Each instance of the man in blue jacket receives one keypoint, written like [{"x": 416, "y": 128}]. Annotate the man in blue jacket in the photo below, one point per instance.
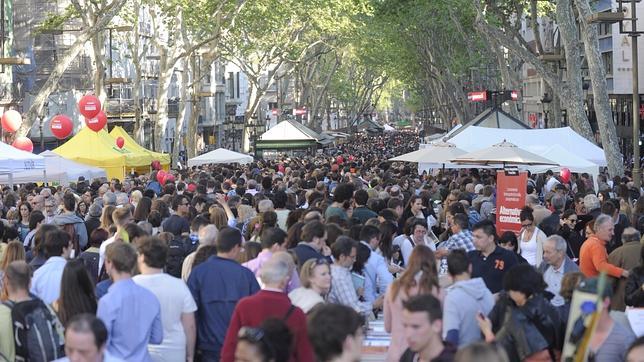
[{"x": 217, "y": 285}]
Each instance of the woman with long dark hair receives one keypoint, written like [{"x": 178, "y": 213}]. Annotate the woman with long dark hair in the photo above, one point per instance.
[
  {"x": 416, "y": 208},
  {"x": 23, "y": 220},
  {"x": 143, "y": 208},
  {"x": 523, "y": 321},
  {"x": 81, "y": 210},
  {"x": 76, "y": 292}
]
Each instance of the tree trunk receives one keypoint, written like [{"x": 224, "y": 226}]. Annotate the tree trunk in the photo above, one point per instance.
[
  {"x": 161, "y": 117},
  {"x": 99, "y": 68},
  {"x": 254, "y": 95},
  {"x": 607, "y": 129},
  {"x": 186, "y": 95},
  {"x": 577, "y": 118},
  {"x": 191, "y": 137},
  {"x": 63, "y": 63}
]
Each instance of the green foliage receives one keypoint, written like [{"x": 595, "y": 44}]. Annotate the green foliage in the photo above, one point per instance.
[{"x": 54, "y": 21}]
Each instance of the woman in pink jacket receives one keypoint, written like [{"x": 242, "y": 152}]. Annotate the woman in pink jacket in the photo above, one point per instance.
[{"x": 420, "y": 277}]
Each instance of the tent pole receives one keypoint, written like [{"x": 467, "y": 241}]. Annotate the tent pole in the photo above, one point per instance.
[{"x": 11, "y": 181}]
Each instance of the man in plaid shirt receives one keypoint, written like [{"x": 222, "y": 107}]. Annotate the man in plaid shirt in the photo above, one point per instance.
[
  {"x": 343, "y": 290},
  {"x": 461, "y": 239}
]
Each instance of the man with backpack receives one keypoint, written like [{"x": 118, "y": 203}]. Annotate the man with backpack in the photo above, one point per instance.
[
  {"x": 181, "y": 245},
  {"x": 29, "y": 328},
  {"x": 46, "y": 281},
  {"x": 72, "y": 224}
]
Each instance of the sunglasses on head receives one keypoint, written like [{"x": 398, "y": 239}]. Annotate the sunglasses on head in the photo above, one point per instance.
[
  {"x": 320, "y": 261},
  {"x": 256, "y": 335}
]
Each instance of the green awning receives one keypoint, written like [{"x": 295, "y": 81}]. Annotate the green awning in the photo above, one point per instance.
[
  {"x": 404, "y": 122},
  {"x": 265, "y": 145}
]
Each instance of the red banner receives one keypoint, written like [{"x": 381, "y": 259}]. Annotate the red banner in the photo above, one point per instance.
[
  {"x": 477, "y": 96},
  {"x": 510, "y": 199}
]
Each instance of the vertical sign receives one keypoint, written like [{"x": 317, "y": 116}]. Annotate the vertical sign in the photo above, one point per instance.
[{"x": 510, "y": 199}]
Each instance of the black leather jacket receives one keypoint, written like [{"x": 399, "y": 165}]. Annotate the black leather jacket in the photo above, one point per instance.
[
  {"x": 531, "y": 328},
  {"x": 634, "y": 295}
]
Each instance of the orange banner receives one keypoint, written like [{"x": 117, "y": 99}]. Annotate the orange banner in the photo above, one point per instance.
[{"x": 510, "y": 199}]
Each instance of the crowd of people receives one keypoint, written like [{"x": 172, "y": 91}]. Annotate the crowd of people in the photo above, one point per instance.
[{"x": 290, "y": 259}]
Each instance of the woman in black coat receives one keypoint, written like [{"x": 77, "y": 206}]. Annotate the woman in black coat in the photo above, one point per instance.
[{"x": 634, "y": 295}]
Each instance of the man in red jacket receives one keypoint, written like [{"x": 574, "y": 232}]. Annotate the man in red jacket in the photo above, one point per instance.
[{"x": 270, "y": 302}]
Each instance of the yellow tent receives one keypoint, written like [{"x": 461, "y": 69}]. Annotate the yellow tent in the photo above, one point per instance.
[
  {"x": 131, "y": 144},
  {"x": 99, "y": 149}
]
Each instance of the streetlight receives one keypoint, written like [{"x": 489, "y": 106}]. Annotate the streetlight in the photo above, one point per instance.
[{"x": 634, "y": 33}]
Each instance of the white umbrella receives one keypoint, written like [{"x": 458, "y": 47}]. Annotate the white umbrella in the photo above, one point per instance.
[
  {"x": 504, "y": 153},
  {"x": 220, "y": 155},
  {"x": 434, "y": 153}
]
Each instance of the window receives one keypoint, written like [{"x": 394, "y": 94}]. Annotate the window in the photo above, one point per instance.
[
  {"x": 605, "y": 29},
  {"x": 231, "y": 85},
  {"x": 607, "y": 59},
  {"x": 237, "y": 81}
]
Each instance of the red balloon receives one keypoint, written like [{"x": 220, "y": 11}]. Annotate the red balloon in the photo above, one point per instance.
[
  {"x": 97, "y": 123},
  {"x": 11, "y": 120},
  {"x": 61, "y": 126},
  {"x": 120, "y": 141},
  {"x": 161, "y": 177},
  {"x": 23, "y": 143},
  {"x": 565, "y": 175},
  {"x": 156, "y": 165},
  {"x": 89, "y": 106}
]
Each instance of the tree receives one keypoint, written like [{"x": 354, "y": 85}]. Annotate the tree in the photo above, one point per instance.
[
  {"x": 607, "y": 129},
  {"x": 104, "y": 16},
  {"x": 276, "y": 38}
]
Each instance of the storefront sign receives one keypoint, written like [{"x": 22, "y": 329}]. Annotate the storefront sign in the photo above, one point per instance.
[{"x": 510, "y": 199}]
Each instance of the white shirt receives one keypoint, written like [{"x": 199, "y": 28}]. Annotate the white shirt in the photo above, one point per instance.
[
  {"x": 553, "y": 278},
  {"x": 46, "y": 281},
  {"x": 406, "y": 246},
  {"x": 175, "y": 299},
  {"x": 529, "y": 248},
  {"x": 550, "y": 184},
  {"x": 305, "y": 298},
  {"x": 101, "y": 252}
]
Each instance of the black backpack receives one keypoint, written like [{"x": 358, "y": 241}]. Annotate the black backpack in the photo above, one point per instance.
[
  {"x": 178, "y": 249},
  {"x": 38, "y": 334},
  {"x": 90, "y": 260}
]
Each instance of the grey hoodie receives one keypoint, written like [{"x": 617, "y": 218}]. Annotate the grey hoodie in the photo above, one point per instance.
[
  {"x": 464, "y": 300},
  {"x": 79, "y": 226}
]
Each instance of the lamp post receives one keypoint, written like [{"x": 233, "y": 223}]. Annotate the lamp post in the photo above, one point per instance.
[{"x": 634, "y": 33}]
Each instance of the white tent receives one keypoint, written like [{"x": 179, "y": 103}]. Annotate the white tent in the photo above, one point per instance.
[
  {"x": 503, "y": 153},
  {"x": 58, "y": 169},
  {"x": 220, "y": 155},
  {"x": 13, "y": 160},
  {"x": 389, "y": 128},
  {"x": 537, "y": 141},
  {"x": 567, "y": 160}
]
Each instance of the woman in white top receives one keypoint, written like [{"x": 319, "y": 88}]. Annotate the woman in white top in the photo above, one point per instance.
[
  {"x": 531, "y": 238},
  {"x": 315, "y": 278}
]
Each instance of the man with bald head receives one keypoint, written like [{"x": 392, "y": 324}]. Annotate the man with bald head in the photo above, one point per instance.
[
  {"x": 38, "y": 203},
  {"x": 538, "y": 211},
  {"x": 207, "y": 237}
]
